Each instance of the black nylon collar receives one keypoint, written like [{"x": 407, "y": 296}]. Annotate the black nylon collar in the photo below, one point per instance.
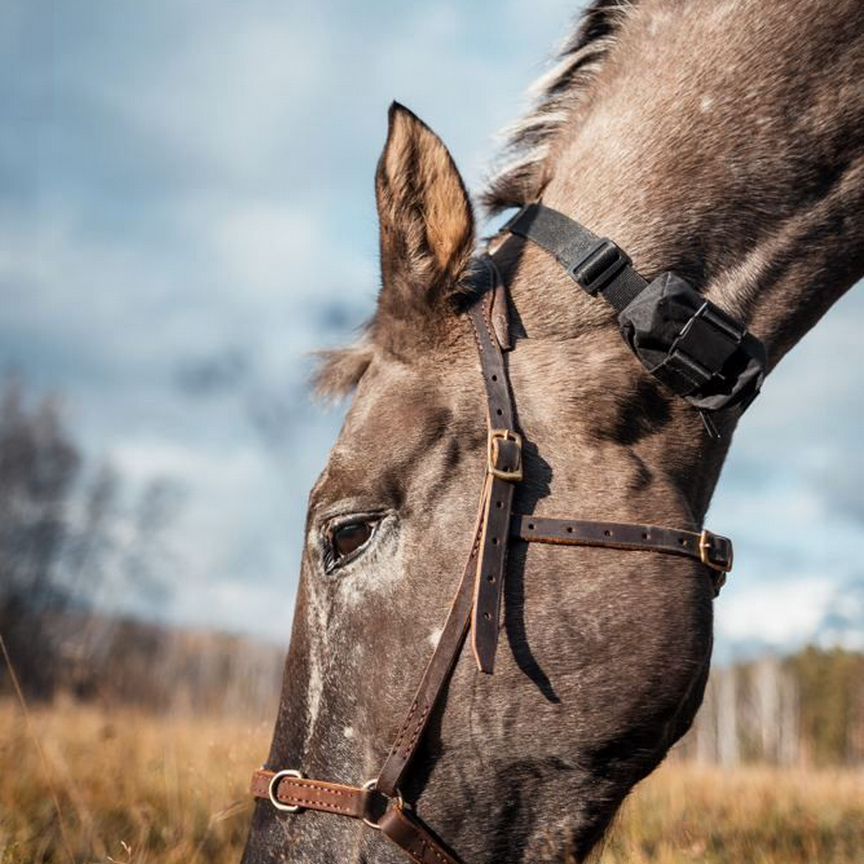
[{"x": 685, "y": 341}]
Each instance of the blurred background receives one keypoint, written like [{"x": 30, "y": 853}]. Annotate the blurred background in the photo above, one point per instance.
[{"x": 186, "y": 211}]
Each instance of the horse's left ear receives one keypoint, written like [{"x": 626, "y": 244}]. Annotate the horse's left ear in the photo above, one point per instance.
[{"x": 427, "y": 227}]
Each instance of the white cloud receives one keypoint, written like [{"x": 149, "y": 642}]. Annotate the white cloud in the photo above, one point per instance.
[
  {"x": 270, "y": 250},
  {"x": 234, "y": 519},
  {"x": 776, "y": 614}
]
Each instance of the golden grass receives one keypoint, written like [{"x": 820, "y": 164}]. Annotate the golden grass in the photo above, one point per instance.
[
  {"x": 136, "y": 789},
  {"x": 752, "y": 815},
  {"x": 133, "y": 788}
]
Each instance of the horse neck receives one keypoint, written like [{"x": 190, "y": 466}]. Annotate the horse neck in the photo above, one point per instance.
[{"x": 740, "y": 166}]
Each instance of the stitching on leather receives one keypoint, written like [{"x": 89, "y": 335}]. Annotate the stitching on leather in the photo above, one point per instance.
[
  {"x": 426, "y": 846},
  {"x": 397, "y": 744},
  {"x": 316, "y": 804},
  {"x": 477, "y": 338},
  {"x": 419, "y": 855},
  {"x": 486, "y": 312},
  {"x": 416, "y": 856},
  {"x": 493, "y": 341},
  {"x": 329, "y": 789},
  {"x": 487, "y": 323},
  {"x": 417, "y": 729}
]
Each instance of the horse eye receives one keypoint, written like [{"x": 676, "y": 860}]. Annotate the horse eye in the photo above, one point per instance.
[{"x": 348, "y": 538}]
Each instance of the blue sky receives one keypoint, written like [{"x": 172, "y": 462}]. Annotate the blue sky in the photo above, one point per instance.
[{"x": 186, "y": 210}]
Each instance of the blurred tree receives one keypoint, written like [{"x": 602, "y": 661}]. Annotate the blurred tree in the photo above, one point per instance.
[
  {"x": 832, "y": 700},
  {"x": 147, "y": 558},
  {"x": 69, "y": 540},
  {"x": 38, "y": 464},
  {"x": 89, "y": 545},
  {"x": 807, "y": 709}
]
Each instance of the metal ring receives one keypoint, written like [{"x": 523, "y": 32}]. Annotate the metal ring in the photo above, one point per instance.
[
  {"x": 274, "y": 782},
  {"x": 373, "y": 786}
]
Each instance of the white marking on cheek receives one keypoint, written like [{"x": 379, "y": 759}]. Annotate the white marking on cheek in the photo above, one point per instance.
[
  {"x": 313, "y": 695},
  {"x": 348, "y": 732},
  {"x": 706, "y": 103},
  {"x": 316, "y": 619},
  {"x": 375, "y": 573},
  {"x": 435, "y": 636}
]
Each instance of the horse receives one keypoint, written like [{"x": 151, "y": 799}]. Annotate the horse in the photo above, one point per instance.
[{"x": 721, "y": 141}]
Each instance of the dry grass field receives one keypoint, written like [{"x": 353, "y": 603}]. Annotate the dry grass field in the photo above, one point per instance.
[{"x": 139, "y": 789}]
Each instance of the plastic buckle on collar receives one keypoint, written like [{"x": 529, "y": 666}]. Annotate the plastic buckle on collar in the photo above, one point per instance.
[
  {"x": 711, "y": 332},
  {"x": 599, "y": 266},
  {"x": 512, "y": 473},
  {"x": 701, "y": 350}
]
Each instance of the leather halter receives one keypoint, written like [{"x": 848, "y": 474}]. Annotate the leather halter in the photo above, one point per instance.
[{"x": 477, "y": 604}]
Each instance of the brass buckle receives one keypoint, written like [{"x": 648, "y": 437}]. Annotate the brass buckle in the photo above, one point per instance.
[
  {"x": 398, "y": 801},
  {"x": 493, "y": 451},
  {"x": 274, "y": 782},
  {"x": 706, "y": 545}
]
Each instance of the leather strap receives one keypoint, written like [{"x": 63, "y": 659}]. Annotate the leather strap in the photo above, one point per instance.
[
  {"x": 413, "y": 838},
  {"x": 503, "y": 470},
  {"x": 434, "y": 678},
  {"x": 300, "y": 793},
  {"x": 712, "y": 550},
  {"x": 307, "y": 794},
  {"x": 490, "y": 572},
  {"x": 500, "y": 312}
]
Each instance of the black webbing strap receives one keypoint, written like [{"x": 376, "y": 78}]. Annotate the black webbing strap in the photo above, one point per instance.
[
  {"x": 596, "y": 264},
  {"x": 686, "y": 342}
]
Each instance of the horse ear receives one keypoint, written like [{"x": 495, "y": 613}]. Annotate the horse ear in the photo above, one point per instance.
[{"x": 427, "y": 227}]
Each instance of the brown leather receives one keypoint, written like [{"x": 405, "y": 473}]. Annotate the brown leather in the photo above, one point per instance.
[
  {"x": 500, "y": 406},
  {"x": 489, "y": 574},
  {"x": 478, "y": 597},
  {"x": 500, "y": 313},
  {"x": 434, "y": 677},
  {"x": 354, "y": 801},
  {"x": 504, "y": 469},
  {"x": 710, "y": 549},
  {"x": 313, "y": 794},
  {"x": 413, "y": 838}
]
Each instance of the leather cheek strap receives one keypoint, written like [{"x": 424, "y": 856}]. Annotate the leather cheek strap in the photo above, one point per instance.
[
  {"x": 503, "y": 470},
  {"x": 415, "y": 840},
  {"x": 434, "y": 678}
]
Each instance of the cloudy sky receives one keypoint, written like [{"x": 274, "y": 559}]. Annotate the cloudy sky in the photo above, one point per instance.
[{"x": 186, "y": 210}]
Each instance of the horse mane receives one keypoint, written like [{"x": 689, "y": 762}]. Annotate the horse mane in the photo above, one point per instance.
[{"x": 524, "y": 165}]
